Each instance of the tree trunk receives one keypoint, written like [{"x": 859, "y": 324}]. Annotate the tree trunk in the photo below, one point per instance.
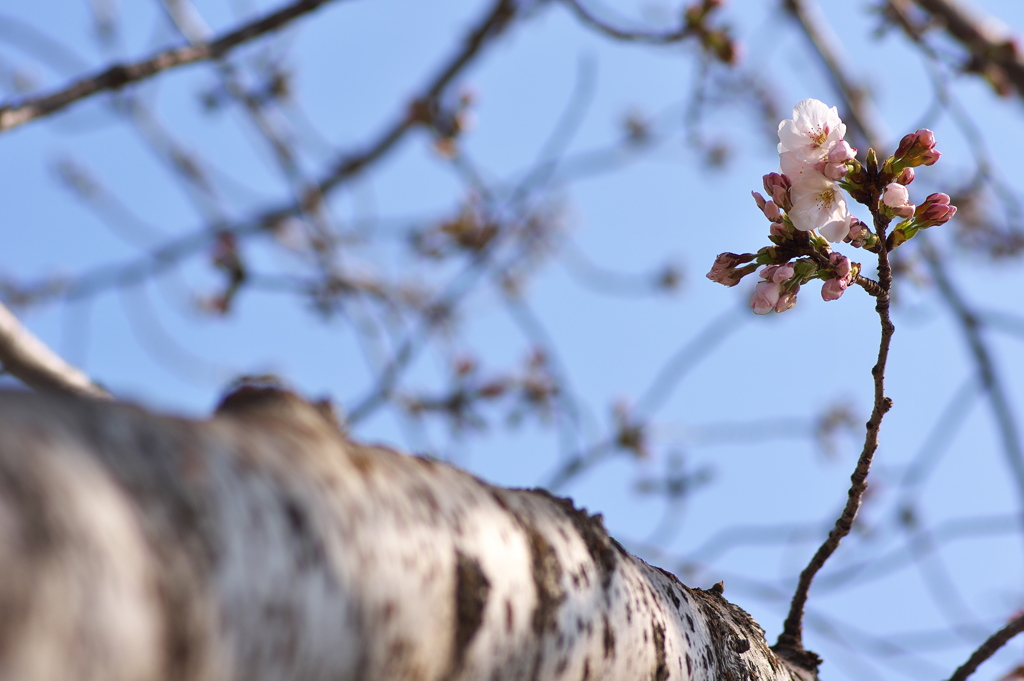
[{"x": 263, "y": 544}]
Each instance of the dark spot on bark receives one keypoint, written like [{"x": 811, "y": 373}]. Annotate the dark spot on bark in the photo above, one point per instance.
[
  {"x": 471, "y": 590},
  {"x": 673, "y": 597},
  {"x": 499, "y": 499},
  {"x": 660, "y": 663},
  {"x": 508, "y": 615},
  {"x": 629, "y": 613},
  {"x": 689, "y": 622},
  {"x": 426, "y": 495},
  {"x": 609, "y": 638},
  {"x": 547, "y": 581},
  {"x": 600, "y": 546},
  {"x": 310, "y": 550},
  {"x": 739, "y": 644},
  {"x": 562, "y": 665},
  {"x": 424, "y": 461},
  {"x": 689, "y": 665},
  {"x": 296, "y": 518},
  {"x": 586, "y": 670}
]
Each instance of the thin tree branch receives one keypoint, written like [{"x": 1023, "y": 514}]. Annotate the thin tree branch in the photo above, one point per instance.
[
  {"x": 29, "y": 360},
  {"x": 346, "y": 167},
  {"x": 603, "y": 27},
  {"x": 994, "y": 52},
  {"x": 790, "y": 643},
  {"x": 989, "y": 648},
  {"x": 1005, "y": 420},
  {"x": 119, "y": 75}
]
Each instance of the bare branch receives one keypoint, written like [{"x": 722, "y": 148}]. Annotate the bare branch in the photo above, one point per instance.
[
  {"x": 989, "y": 648},
  {"x": 29, "y": 360},
  {"x": 120, "y": 75},
  {"x": 994, "y": 53},
  {"x": 791, "y": 639}
]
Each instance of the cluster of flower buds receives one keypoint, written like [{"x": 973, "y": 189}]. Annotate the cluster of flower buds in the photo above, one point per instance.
[
  {"x": 915, "y": 149},
  {"x": 807, "y": 208}
]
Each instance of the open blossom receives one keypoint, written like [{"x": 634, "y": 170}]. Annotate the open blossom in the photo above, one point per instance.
[
  {"x": 820, "y": 205},
  {"x": 813, "y": 130}
]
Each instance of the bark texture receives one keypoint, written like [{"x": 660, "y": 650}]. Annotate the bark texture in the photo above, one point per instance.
[{"x": 263, "y": 544}]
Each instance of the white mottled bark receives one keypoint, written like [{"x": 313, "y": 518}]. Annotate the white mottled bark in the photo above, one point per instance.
[{"x": 264, "y": 545}]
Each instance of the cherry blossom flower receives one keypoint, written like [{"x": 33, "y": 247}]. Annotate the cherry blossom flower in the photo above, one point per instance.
[
  {"x": 819, "y": 204},
  {"x": 813, "y": 130}
]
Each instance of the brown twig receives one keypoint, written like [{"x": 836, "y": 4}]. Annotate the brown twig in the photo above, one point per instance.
[
  {"x": 987, "y": 372},
  {"x": 993, "y": 53},
  {"x": 657, "y": 38},
  {"x": 29, "y": 360},
  {"x": 790, "y": 643},
  {"x": 343, "y": 169},
  {"x": 120, "y": 75},
  {"x": 989, "y": 648}
]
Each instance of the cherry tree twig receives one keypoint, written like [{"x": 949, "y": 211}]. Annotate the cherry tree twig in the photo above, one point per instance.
[
  {"x": 29, "y": 360},
  {"x": 993, "y": 50},
  {"x": 791, "y": 639},
  {"x": 658, "y": 38},
  {"x": 344, "y": 168},
  {"x": 989, "y": 648},
  {"x": 119, "y": 75}
]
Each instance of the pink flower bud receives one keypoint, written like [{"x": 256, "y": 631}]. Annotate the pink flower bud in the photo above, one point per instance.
[
  {"x": 787, "y": 299},
  {"x": 783, "y": 273},
  {"x": 841, "y": 152},
  {"x": 725, "y": 271},
  {"x": 840, "y": 264},
  {"x": 833, "y": 289},
  {"x": 778, "y": 187},
  {"x": 766, "y": 295},
  {"x": 935, "y": 210},
  {"x": 858, "y": 232},
  {"x": 929, "y": 157},
  {"x": 779, "y": 229},
  {"x": 772, "y": 212},
  {"x": 895, "y": 195},
  {"x": 906, "y": 176},
  {"x": 759, "y": 200},
  {"x": 916, "y": 149},
  {"x": 835, "y": 171}
]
